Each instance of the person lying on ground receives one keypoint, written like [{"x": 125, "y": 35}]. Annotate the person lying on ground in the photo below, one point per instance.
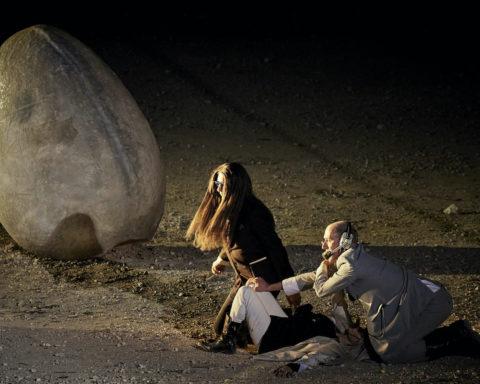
[{"x": 269, "y": 326}]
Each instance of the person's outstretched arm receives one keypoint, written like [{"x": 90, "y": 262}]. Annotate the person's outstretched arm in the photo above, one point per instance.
[{"x": 290, "y": 286}]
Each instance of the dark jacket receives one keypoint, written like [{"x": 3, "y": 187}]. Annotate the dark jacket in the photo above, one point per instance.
[{"x": 254, "y": 237}]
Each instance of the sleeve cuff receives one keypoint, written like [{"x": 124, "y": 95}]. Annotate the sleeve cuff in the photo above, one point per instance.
[
  {"x": 221, "y": 261},
  {"x": 290, "y": 286},
  {"x": 223, "y": 255}
]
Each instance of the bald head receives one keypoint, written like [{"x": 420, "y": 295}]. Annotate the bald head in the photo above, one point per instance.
[
  {"x": 331, "y": 240},
  {"x": 336, "y": 229}
]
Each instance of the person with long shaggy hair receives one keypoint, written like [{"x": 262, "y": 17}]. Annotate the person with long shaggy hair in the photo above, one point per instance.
[{"x": 231, "y": 218}]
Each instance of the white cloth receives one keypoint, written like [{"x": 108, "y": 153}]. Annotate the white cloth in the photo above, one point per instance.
[
  {"x": 256, "y": 308},
  {"x": 316, "y": 351}
]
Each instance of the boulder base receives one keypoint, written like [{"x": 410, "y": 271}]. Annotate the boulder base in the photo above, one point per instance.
[{"x": 80, "y": 169}]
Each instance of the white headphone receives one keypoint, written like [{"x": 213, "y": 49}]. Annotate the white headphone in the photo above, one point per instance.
[{"x": 347, "y": 238}]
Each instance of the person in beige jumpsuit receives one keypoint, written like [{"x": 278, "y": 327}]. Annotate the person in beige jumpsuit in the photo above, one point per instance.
[{"x": 403, "y": 310}]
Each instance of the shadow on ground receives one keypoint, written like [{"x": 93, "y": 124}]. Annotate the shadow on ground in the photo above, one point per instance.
[{"x": 179, "y": 278}]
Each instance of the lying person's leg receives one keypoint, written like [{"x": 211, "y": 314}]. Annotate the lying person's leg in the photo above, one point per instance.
[{"x": 256, "y": 308}]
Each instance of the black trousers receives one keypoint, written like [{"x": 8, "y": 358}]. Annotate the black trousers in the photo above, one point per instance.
[{"x": 302, "y": 325}]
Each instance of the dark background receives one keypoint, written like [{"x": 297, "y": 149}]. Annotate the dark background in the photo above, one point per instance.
[
  {"x": 438, "y": 37},
  {"x": 368, "y": 113},
  {"x": 445, "y": 30},
  {"x": 431, "y": 37}
]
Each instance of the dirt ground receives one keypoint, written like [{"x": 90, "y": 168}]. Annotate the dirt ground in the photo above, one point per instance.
[{"x": 328, "y": 130}]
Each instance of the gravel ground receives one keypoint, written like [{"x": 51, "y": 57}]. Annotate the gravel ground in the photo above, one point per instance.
[{"x": 327, "y": 131}]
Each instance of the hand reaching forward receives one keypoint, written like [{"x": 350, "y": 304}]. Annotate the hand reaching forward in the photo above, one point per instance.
[
  {"x": 258, "y": 284},
  {"x": 218, "y": 266}
]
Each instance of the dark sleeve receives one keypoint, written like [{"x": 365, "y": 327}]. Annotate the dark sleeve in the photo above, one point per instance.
[
  {"x": 223, "y": 254},
  {"x": 263, "y": 228}
]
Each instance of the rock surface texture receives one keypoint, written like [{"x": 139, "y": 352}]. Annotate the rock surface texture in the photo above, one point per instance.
[{"x": 80, "y": 169}]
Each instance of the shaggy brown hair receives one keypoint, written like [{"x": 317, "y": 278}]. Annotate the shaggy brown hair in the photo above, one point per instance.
[{"x": 214, "y": 222}]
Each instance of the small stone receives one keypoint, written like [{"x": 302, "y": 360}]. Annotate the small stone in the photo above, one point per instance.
[
  {"x": 183, "y": 223},
  {"x": 452, "y": 209}
]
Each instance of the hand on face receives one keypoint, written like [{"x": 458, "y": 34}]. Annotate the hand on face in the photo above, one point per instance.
[
  {"x": 329, "y": 266},
  {"x": 333, "y": 259}
]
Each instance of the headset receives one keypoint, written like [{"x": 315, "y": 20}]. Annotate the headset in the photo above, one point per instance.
[
  {"x": 345, "y": 242},
  {"x": 347, "y": 238}
]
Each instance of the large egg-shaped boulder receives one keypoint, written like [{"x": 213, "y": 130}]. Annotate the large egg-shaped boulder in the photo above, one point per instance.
[{"x": 80, "y": 168}]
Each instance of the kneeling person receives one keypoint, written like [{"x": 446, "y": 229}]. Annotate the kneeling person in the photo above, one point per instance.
[{"x": 403, "y": 310}]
